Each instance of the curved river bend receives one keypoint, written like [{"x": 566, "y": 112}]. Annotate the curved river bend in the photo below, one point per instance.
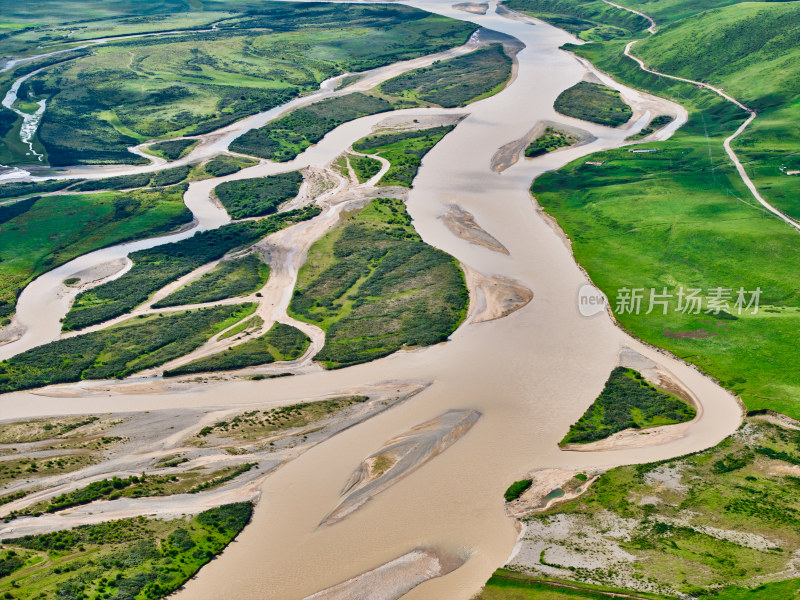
[{"x": 530, "y": 375}]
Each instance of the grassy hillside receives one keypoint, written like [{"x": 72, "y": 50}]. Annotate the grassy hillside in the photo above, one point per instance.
[
  {"x": 374, "y": 287},
  {"x": 587, "y": 19},
  {"x": 681, "y": 218}
]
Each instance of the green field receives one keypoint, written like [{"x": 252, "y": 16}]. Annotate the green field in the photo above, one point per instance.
[
  {"x": 37, "y": 235},
  {"x": 593, "y": 102},
  {"x": 259, "y": 196},
  {"x": 627, "y": 401},
  {"x": 235, "y": 277},
  {"x": 130, "y": 559},
  {"x": 454, "y": 82},
  {"x": 404, "y": 150},
  {"x": 511, "y": 585},
  {"x": 154, "y": 268},
  {"x": 375, "y": 287},
  {"x": 281, "y": 342},
  {"x": 136, "y": 344},
  {"x": 129, "y": 91},
  {"x": 680, "y": 218},
  {"x": 715, "y": 521}
]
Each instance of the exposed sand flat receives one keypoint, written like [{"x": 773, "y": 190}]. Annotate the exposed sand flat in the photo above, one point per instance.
[
  {"x": 544, "y": 481},
  {"x": 472, "y": 7},
  {"x": 406, "y": 453},
  {"x": 462, "y": 223},
  {"x": 393, "y": 579},
  {"x": 495, "y": 297}
]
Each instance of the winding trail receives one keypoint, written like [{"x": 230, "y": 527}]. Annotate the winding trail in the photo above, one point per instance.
[{"x": 727, "y": 143}]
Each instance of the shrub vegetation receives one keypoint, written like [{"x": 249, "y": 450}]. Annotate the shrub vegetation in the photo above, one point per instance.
[
  {"x": 259, "y": 196},
  {"x": 593, "y": 102}
]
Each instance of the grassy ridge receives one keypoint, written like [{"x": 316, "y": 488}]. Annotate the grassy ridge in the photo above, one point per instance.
[
  {"x": 682, "y": 218},
  {"x": 128, "y": 559},
  {"x": 404, "y": 150},
  {"x": 588, "y": 19},
  {"x": 593, "y": 102},
  {"x": 236, "y": 277},
  {"x": 374, "y": 287},
  {"x": 259, "y": 196},
  {"x": 156, "y": 267},
  {"x": 281, "y": 342},
  {"x": 627, "y": 401},
  {"x": 133, "y": 345},
  {"x": 456, "y": 81},
  {"x": 55, "y": 229}
]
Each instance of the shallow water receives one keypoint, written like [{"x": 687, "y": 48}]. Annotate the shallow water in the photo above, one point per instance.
[{"x": 530, "y": 375}]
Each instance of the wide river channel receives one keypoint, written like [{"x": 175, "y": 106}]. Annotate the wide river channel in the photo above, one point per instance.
[{"x": 530, "y": 374}]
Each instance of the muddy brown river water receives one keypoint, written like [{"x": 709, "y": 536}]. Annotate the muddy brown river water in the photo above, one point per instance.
[{"x": 529, "y": 375}]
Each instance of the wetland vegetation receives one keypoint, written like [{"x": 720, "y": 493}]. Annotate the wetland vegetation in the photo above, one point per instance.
[
  {"x": 404, "y": 150},
  {"x": 130, "y": 559},
  {"x": 552, "y": 139},
  {"x": 39, "y": 234},
  {"x": 259, "y": 196},
  {"x": 375, "y": 287},
  {"x": 154, "y": 268},
  {"x": 281, "y": 342},
  {"x": 627, "y": 401},
  {"x": 234, "y": 277},
  {"x": 134, "y": 345}
]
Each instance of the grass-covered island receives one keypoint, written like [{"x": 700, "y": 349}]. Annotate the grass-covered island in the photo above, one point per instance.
[
  {"x": 374, "y": 286},
  {"x": 627, "y": 401},
  {"x": 259, "y": 196},
  {"x": 551, "y": 139},
  {"x": 139, "y": 558},
  {"x": 593, "y": 102}
]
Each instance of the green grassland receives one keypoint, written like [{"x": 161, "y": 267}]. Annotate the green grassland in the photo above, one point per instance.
[
  {"x": 255, "y": 425},
  {"x": 375, "y": 287},
  {"x": 364, "y": 167},
  {"x": 52, "y": 230},
  {"x": 627, "y": 401},
  {"x": 552, "y": 139},
  {"x": 133, "y": 345},
  {"x": 259, "y": 196},
  {"x": 235, "y": 277},
  {"x": 172, "y": 149},
  {"x": 590, "y": 20},
  {"x": 154, "y": 268},
  {"x": 455, "y": 82},
  {"x": 656, "y": 124},
  {"x": 681, "y": 217},
  {"x": 404, "y": 151},
  {"x": 745, "y": 486},
  {"x": 593, "y": 102},
  {"x": 281, "y": 342},
  {"x": 129, "y": 91},
  {"x": 130, "y": 559}
]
